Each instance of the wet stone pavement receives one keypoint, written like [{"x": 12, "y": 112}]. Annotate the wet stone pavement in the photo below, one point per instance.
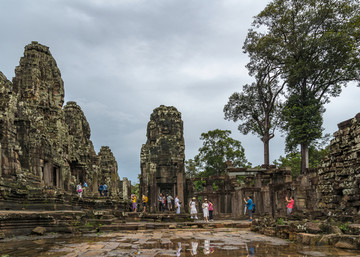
[{"x": 179, "y": 242}]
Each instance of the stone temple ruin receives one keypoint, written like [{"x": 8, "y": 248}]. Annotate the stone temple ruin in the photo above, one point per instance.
[
  {"x": 163, "y": 156},
  {"x": 45, "y": 151},
  {"x": 331, "y": 190},
  {"x": 45, "y": 147}
]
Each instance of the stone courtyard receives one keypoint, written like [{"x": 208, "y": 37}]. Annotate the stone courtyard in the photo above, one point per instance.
[{"x": 182, "y": 242}]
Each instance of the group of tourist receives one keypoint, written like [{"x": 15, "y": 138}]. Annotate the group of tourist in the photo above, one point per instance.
[
  {"x": 103, "y": 190},
  {"x": 250, "y": 206},
  {"x": 207, "y": 207},
  {"x": 168, "y": 202},
  {"x": 80, "y": 188}
]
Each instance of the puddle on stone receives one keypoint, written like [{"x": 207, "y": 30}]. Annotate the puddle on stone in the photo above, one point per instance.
[{"x": 161, "y": 243}]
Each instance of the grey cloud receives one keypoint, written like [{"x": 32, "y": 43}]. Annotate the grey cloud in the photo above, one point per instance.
[{"x": 121, "y": 59}]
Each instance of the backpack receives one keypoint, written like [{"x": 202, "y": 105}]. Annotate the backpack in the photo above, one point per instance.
[
  {"x": 253, "y": 208},
  {"x": 146, "y": 199}
]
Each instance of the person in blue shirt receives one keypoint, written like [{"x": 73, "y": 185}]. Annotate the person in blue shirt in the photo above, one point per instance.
[
  {"x": 105, "y": 187},
  {"x": 249, "y": 204},
  {"x": 101, "y": 189}
]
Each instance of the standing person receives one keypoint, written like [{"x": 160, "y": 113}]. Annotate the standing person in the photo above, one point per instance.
[
  {"x": 164, "y": 202},
  {"x": 211, "y": 209},
  {"x": 177, "y": 205},
  {"x": 105, "y": 189},
  {"x": 144, "y": 202},
  {"x": 249, "y": 205},
  {"x": 101, "y": 188},
  {"x": 192, "y": 205},
  {"x": 134, "y": 207},
  {"x": 169, "y": 202},
  {"x": 160, "y": 200},
  {"x": 79, "y": 190},
  {"x": 85, "y": 185},
  {"x": 290, "y": 204},
  {"x": 205, "y": 207}
]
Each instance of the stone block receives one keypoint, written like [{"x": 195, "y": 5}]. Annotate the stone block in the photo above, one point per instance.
[
  {"x": 307, "y": 239},
  {"x": 39, "y": 230}
]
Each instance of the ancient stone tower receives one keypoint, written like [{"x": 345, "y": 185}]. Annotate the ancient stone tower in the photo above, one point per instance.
[
  {"x": 42, "y": 144},
  {"x": 162, "y": 157}
]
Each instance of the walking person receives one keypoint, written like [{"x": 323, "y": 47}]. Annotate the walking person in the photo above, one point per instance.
[
  {"x": 169, "y": 202},
  {"x": 177, "y": 205},
  {"x": 249, "y": 205},
  {"x": 205, "y": 207},
  {"x": 192, "y": 205},
  {"x": 211, "y": 210},
  {"x": 290, "y": 205}
]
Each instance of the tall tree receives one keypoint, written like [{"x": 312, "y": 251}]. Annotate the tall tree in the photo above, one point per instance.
[
  {"x": 316, "y": 44},
  {"x": 258, "y": 105},
  {"x": 218, "y": 147}
]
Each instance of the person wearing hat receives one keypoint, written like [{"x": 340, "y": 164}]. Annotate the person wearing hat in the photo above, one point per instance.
[
  {"x": 205, "y": 207},
  {"x": 193, "y": 210}
]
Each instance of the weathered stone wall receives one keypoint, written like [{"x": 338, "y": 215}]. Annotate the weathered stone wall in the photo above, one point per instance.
[
  {"x": 109, "y": 171},
  {"x": 163, "y": 156},
  {"x": 43, "y": 145},
  {"x": 339, "y": 175}
]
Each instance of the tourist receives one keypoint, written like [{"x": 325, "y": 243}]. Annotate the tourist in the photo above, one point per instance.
[
  {"x": 211, "y": 210},
  {"x": 101, "y": 189},
  {"x": 249, "y": 204},
  {"x": 177, "y": 205},
  {"x": 164, "y": 202},
  {"x": 178, "y": 250},
  {"x": 205, "y": 207},
  {"x": 193, "y": 210},
  {"x": 160, "y": 200},
  {"x": 144, "y": 202},
  {"x": 105, "y": 189},
  {"x": 194, "y": 246},
  {"x": 79, "y": 190},
  {"x": 133, "y": 199},
  {"x": 290, "y": 204},
  {"x": 206, "y": 249},
  {"x": 169, "y": 202}
]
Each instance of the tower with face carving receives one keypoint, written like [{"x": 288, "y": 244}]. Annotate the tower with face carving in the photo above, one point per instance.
[{"x": 163, "y": 156}]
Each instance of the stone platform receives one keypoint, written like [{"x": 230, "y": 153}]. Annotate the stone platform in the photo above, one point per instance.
[{"x": 26, "y": 222}]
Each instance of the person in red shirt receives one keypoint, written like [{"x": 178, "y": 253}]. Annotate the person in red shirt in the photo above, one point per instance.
[{"x": 290, "y": 204}]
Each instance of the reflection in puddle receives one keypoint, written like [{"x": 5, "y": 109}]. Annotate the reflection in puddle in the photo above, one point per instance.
[{"x": 212, "y": 243}]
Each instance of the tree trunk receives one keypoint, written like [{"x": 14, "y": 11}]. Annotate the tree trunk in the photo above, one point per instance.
[
  {"x": 266, "y": 152},
  {"x": 304, "y": 158}
]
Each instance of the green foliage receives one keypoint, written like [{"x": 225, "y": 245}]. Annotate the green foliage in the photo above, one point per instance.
[
  {"x": 199, "y": 185},
  {"x": 135, "y": 189},
  {"x": 280, "y": 221},
  {"x": 216, "y": 184},
  {"x": 240, "y": 179},
  {"x": 303, "y": 120},
  {"x": 217, "y": 148},
  {"x": 258, "y": 106},
  {"x": 344, "y": 227},
  {"x": 314, "y": 45},
  {"x": 293, "y": 159}
]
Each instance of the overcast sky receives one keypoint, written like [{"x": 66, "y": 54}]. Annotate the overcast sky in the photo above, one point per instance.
[{"x": 120, "y": 59}]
